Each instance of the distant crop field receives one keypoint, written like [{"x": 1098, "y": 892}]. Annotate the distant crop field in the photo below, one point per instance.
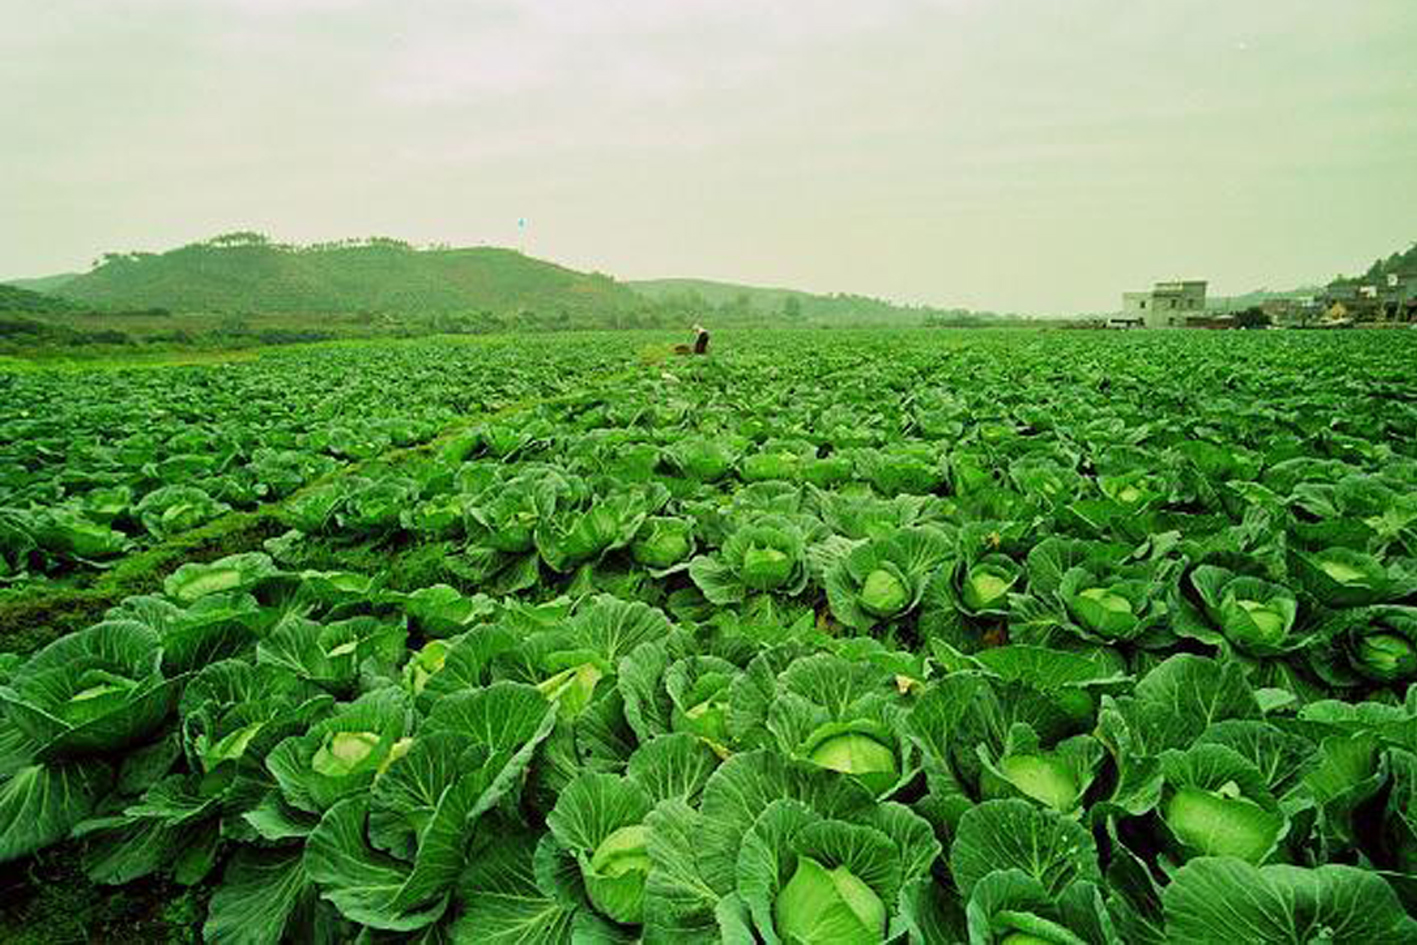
[{"x": 826, "y": 637}]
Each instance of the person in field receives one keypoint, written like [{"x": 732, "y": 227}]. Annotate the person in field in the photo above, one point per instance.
[{"x": 701, "y": 342}]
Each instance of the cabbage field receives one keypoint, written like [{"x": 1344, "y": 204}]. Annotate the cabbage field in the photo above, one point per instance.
[
  {"x": 1005, "y": 638},
  {"x": 96, "y": 464}
]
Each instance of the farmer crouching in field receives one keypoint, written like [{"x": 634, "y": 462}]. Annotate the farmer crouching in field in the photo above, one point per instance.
[{"x": 701, "y": 340}]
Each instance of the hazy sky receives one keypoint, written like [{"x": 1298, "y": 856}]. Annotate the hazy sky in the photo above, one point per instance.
[{"x": 1017, "y": 154}]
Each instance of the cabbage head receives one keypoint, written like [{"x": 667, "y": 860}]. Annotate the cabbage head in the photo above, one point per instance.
[
  {"x": 816, "y": 860},
  {"x": 572, "y": 536},
  {"x": 700, "y": 458},
  {"x": 341, "y": 755},
  {"x": 769, "y": 465},
  {"x": 983, "y": 586},
  {"x": 860, "y": 748},
  {"x": 426, "y": 663},
  {"x": 1217, "y": 803},
  {"x": 1386, "y": 657},
  {"x": 1103, "y": 605},
  {"x": 699, "y": 687},
  {"x": 1222, "y": 822},
  {"x": 599, "y": 821},
  {"x": 767, "y": 555},
  {"x": 765, "y": 565},
  {"x": 1043, "y": 778},
  {"x": 1056, "y": 777},
  {"x": 663, "y": 542},
  {"x": 904, "y": 468},
  {"x": 1137, "y": 489},
  {"x": 884, "y": 578},
  {"x": 1254, "y": 615},
  {"x": 1012, "y": 907},
  {"x": 1342, "y": 577},
  {"x": 572, "y": 689},
  {"x": 508, "y": 513},
  {"x": 1373, "y": 644},
  {"x": 885, "y": 592},
  {"x": 172, "y": 509},
  {"x": 615, "y": 882},
  {"x": 821, "y": 906},
  {"x": 70, "y": 532}
]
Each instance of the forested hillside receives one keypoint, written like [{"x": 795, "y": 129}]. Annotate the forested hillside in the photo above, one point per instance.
[{"x": 247, "y": 273}]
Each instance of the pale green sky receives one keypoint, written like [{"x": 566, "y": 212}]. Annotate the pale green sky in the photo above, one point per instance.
[{"x": 1036, "y": 155}]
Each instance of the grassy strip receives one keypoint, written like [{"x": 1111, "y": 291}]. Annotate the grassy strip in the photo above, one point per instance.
[
  {"x": 32, "y": 616},
  {"x": 48, "y": 900},
  {"x": 35, "y": 615}
]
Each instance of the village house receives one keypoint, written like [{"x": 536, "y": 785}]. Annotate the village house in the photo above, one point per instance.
[
  {"x": 1293, "y": 312},
  {"x": 1389, "y": 298},
  {"x": 1167, "y": 305}
]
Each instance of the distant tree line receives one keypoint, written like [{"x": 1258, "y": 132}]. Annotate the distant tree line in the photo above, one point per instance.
[
  {"x": 18, "y": 333},
  {"x": 15, "y": 301},
  {"x": 964, "y": 318},
  {"x": 838, "y": 310}
]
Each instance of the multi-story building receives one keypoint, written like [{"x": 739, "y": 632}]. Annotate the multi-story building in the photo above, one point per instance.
[{"x": 1167, "y": 305}]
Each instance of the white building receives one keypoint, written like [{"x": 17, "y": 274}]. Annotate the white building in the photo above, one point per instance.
[{"x": 1167, "y": 305}]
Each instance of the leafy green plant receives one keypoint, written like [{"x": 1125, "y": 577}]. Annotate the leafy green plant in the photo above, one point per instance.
[
  {"x": 766, "y": 556},
  {"x": 885, "y": 577},
  {"x": 1254, "y": 615},
  {"x": 1369, "y": 644},
  {"x": 663, "y": 542}
]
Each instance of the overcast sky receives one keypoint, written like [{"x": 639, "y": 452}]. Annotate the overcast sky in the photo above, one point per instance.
[{"x": 1032, "y": 155}]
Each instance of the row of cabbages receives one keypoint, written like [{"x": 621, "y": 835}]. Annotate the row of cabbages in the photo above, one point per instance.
[
  {"x": 915, "y": 568},
  {"x": 333, "y": 754}
]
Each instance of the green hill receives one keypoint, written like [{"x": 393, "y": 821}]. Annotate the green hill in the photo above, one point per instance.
[{"x": 247, "y": 273}]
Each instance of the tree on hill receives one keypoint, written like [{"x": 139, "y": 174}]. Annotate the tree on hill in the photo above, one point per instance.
[{"x": 240, "y": 238}]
